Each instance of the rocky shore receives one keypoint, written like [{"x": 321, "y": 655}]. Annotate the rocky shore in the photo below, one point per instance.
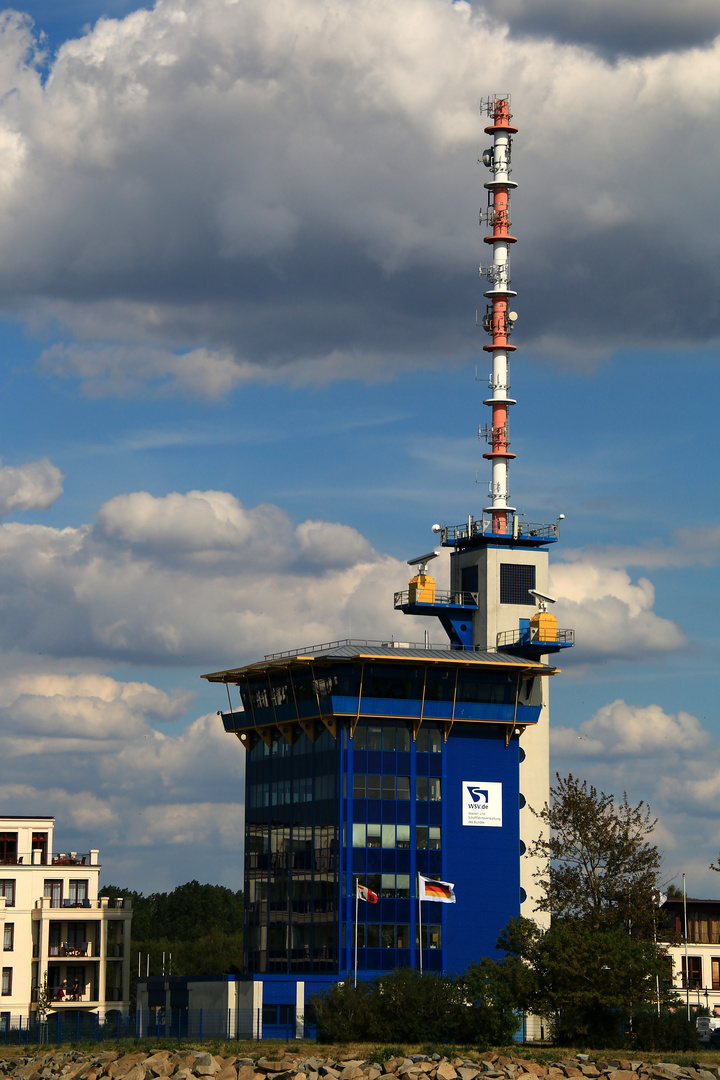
[{"x": 184, "y": 1064}]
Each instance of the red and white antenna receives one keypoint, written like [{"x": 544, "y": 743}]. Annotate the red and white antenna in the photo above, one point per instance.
[{"x": 498, "y": 320}]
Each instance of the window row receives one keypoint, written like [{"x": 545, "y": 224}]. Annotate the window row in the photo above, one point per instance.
[
  {"x": 77, "y": 893},
  {"x": 396, "y": 936},
  {"x": 396, "y": 836},
  {"x": 427, "y": 788},
  {"x": 287, "y": 792},
  {"x": 694, "y": 975},
  {"x": 387, "y": 737}
]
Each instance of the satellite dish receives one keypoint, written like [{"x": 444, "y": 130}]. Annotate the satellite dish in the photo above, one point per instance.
[
  {"x": 437, "y": 528},
  {"x": 512, "y": 316}
]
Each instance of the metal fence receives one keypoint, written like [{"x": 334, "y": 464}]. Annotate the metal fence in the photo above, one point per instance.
[{"x": 158, "y": 1024}]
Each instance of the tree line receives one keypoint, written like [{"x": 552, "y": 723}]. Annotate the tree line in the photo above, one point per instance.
[{"x": 198, "y": 928}]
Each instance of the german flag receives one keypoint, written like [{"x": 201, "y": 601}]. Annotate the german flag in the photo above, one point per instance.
[{"x": 442, "y": 892}]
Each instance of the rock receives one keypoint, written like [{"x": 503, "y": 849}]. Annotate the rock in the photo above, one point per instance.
[{"x": 445, "y": 1071}]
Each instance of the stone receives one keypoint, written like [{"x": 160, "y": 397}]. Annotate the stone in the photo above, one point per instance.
[
  {"x": 228, "y": 1072},
  {"x": 465, "y": 1072},
  {"x": 352, "y": 1071},
  {"x": 445, "y": 1071}
]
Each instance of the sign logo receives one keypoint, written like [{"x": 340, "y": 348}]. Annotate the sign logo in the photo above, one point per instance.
[{"x": 481, "y": 803}]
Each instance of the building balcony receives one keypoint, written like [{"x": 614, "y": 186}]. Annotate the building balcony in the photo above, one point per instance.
[
  {"x": 77, "y": 909},
  {"x": 66, "y": 948},
  {"x": 75, "y": 858}
]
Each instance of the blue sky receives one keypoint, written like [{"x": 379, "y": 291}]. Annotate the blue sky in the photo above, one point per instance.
[{"x": 238, "y": 283}]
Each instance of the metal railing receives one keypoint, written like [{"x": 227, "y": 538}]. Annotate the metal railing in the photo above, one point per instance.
[
  {"x": 353, "y": 643},
  {"x": 73, "y": 1025},
  {"x": 531, "y": 635},
  {"x": 475, "y": 527},
  {"x": 442, "y": 599}
]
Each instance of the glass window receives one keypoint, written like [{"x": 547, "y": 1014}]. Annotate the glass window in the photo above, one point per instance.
[
  {"x": 428, "y": 740},
  {"x": 7, "y": 889},
  {"x": 402, "y": 887},
  {"x": 421, "y": 788},
  {"x": 8, "y": 937},
  {"x": 431, "y": 936},
  {"x": 388, "y": 836},
  {"x": 77, "y": 891},
  {"x": 434, "y": 788},
  {"x": 388, "y": 885},
  {"x": 374, "y": 738},
  {"x": 6, "y": 981},
  {"x": 403, "y": 739},
  {"x": 8, "y": 848},
  {"x": 374, "y": 834},
  {"x": 360, "y": 737},
  {"x": 403, "y": 937},
  {"x": 359, "y": 786},
  {"x": 359, "y": 836},
  {"x": 374, "y": 883},
  {"x": 440, "y": 684},
  {"x": 421, "y": 837},
  {"x": 388, "y": 936},
  {"x": 435, "y": 838},
  {"x": 388, "y": 787},
  {"x": 374, "y": 787},
  {"x": 516, "y": 579},
  {"x": 373, "y": 935},
  {"x": 403, "y": 787},
  {"x": 403, "y": 836},
  {"x": 388, "y": 738}
]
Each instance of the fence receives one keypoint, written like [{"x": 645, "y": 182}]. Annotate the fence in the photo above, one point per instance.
[{"x": 173, "y": 1025}]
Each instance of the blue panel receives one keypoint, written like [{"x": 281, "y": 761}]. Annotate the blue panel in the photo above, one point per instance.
[
  {"x": 481, "y": 861},
  {"x": 279, "y": 993}
]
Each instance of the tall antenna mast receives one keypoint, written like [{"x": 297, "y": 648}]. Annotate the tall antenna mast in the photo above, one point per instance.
[{"x": 498, "y": 320}]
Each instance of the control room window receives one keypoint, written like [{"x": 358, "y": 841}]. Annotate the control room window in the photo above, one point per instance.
[
  {"x": 7, "y": 889},
  {"x": 8, "y": 937},
  {"x": 515, "y": 581},
  {"x": 428, "y": 740}
]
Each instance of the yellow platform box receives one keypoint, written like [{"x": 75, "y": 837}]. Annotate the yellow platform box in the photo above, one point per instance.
[{"x": 421, "y": 589}]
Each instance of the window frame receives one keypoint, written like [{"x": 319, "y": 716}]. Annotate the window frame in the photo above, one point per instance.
[
  {"x": 9, "y": 935},
  {"x": 4, "y": 883},
  {"x": 7, "y": 980}
]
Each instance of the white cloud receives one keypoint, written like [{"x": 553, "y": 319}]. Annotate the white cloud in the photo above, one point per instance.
[
  {"x": 209, "y": 192},
  {"x": 611, "y": 615},
  {"x": 638, "y": 730},
  {"x": 666, "y": 759},
  {"x": 34, "y": 486},
  {"x": 90, "y": 756}
]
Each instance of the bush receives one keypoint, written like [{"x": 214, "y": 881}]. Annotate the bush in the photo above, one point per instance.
[
  {"x": 409, "y": 1007},
  {"x": 668, "y": 1031}
]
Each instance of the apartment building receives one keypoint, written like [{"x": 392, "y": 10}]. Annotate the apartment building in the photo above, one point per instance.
[
  {"x": 696, "y": 978},
  {"x": 55, "y": 927}
]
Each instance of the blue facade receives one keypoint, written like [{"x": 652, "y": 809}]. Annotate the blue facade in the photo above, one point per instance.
[{"x": 363, "y": 764}]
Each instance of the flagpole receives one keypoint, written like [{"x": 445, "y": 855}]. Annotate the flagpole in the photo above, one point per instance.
[
  {"x": 357, "y": 896},
  {"x": 419, "y": 920}
]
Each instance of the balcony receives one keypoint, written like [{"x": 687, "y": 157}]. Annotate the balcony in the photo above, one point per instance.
[
  {"x": 66, "y": 948},
  {"x": 79, "y": 907},
  {"x": 74, "y": 858}
]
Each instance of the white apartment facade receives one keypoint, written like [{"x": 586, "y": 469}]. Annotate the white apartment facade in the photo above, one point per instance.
[
  {"x": 697, "y": 979},
  {"x": 54, "y": 925}
]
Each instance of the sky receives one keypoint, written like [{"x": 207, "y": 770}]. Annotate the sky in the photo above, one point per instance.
[{"x": 241, "y": 378}]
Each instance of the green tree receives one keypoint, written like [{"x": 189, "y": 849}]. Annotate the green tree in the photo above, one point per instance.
[
  {"x": 598, "y": 865},
  {"x": 588, "y": 983}
]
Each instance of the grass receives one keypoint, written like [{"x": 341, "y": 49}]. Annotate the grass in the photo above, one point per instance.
[{"x": 273, "y": 1049}]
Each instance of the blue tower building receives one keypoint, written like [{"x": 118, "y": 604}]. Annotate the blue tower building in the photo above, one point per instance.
[{"x": 378, "y": 763}]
